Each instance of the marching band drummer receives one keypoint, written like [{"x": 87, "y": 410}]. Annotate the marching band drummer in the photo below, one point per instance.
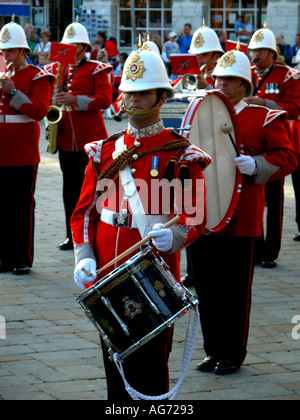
[
  {"x": 223, "y": 282},
  {"x": 86, "y": 90},
  {"x": 146, "y": 152},
  {"x": 276, "y": 86},
  {"x": 25, "y": 98},
  {"x": 206, "y": 45}
]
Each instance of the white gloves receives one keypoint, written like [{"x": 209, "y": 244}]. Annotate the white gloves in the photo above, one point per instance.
[
  {"x": 162, "y": 238},
  {"x": 246, "y": 164},
  {"x": 85, "y": 272}
]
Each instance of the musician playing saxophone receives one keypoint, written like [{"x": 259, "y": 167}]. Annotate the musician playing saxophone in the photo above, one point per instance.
[
  {"x": 85, "y": 91},
  {"x": 25, "y": 98}
]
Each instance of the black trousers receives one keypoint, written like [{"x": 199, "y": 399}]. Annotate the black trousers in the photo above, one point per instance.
[
  {"x": 296, "y": 185},
  {"x": 223, "y": 273},
  {"x": 17, "y": 186},
  {"x": 146, "y": 370},
  {"x": 268, "y": 245},
  {"x": 73, "y": 165}
]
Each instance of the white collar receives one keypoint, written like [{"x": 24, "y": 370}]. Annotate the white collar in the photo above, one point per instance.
[
  {"x": 240, "y": 106},
  {"x": 151, "y": 130}
]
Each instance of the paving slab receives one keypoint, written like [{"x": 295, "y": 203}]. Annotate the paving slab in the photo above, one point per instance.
[{"x": 51, "y": 350}]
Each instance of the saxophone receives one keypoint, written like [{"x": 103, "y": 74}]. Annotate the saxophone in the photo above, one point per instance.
[{"x": 53, "y": 117}]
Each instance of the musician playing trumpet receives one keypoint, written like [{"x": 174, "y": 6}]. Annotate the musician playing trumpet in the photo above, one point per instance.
[
  {"x": 25, "y": 98},
  {"x": 206, "y": 45}
]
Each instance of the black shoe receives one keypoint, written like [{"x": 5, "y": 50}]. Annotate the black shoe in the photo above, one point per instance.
[
  {"x": 208, "y": 364},
  {"x": 226, "y": 367},
  {"x": 21, "y": 269},
  {"x": 268, "y": 264},
  {"x": 67, "y": 244},
  {"x": 297, "y": 237},
  {"x": 187, "y": 281},
  {"x": 4, "y": 266}
]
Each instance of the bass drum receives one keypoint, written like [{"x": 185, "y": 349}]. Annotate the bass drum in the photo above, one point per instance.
[{"x": 206, "y": 114}]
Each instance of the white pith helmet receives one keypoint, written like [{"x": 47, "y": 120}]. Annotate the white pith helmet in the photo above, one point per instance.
[
  {"x": 145, "y": 70},
  {"x": 205, "y": 40},
  {"x": 12, "y": 35},
  {"x": 234, "y": 63},
  {"x": 150, "y": 45},
  {"x": 263, "y": 38},
  {"x": 75, "y": 33}
]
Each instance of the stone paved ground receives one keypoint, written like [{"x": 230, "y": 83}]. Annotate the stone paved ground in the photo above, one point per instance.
[{"x": 51, "y": 350}]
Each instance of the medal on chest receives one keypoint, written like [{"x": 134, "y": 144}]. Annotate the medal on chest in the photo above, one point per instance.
[{"x": 154, "y": 166}]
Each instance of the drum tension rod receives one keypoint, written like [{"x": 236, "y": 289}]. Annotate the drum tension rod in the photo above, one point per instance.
[
  {"x": 109, "y": 306},
  {"x": 138, "y": 285}
]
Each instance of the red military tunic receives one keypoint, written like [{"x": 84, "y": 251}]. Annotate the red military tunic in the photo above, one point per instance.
[
  {"x": 281, "y": 89},
  {"x": 19, "y": 116},
  {"x": 104, "y": 241},
  {"x": 84, "y": 123},
  {"x": 268, "y": 142}
]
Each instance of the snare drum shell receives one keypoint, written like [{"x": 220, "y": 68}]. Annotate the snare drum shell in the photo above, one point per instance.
[{"x": 131, "y": 306}]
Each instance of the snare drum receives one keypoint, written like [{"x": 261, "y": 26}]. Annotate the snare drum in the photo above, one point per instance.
[{"x": 135, "y": 302}]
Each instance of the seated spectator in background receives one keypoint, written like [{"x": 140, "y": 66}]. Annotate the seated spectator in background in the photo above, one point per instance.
[
  {"x": 245, "y": 33},
  {"x": 223, "y": 37},
  {"x": 296, "y": 51},
  {"x": 109, "y": 45},
  {"x": 32, "y": 41},
  {"x": 287, "y": 50},
  {"x": 96, "y": 48},
  {"x": 238, "y": 26},
  {"x": 104, "y": 58},
  {"x": 119, "y": 68},
  {"x": 185, "y": 38},
  {"x": 169, "y": 47},
  {"x": 45, "y": 44},
  {"x": 280, "y": 56},
  {"x": 43, "y": 59},
  {"x": 157, "y": 40}
]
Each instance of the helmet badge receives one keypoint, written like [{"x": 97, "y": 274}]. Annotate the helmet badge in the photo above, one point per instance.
[
  {"x": 5, "y": 36},
  {"x": 258, "y": 37},
  {"x": 135, "y": 68},
  {"x": 199, "y": 40},
  {"x": 228, "y": 59},
  {"x": 71, "y": 33}
]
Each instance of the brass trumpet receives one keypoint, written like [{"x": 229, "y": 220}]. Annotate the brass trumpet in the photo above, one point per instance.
[
  {"x": 189, "y": 81},
  {"x": 10, "y": 71},
  {"x": 53, "y": 117}
]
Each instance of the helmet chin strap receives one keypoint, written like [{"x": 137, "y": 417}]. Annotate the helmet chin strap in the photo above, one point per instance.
[
  {"x": 141, "y": 111},
  {"x": 233, "y": 90}
]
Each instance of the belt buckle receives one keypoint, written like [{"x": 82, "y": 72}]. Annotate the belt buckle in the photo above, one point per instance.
[
  {"x": 2, "y": 118},
  {"x": 120, "y": 220}
]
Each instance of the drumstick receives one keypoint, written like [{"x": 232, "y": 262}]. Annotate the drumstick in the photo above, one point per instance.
[
  {"x": 227, "y": 129},
  {"x": 137, "y": 245}
]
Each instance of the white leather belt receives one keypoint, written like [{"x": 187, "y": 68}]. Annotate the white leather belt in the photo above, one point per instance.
[
  {"x": 15, "y": 119},
  {"x": 127, "y": 220}
]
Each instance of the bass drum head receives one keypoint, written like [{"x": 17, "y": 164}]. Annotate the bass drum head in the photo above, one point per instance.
[{"x": 207, "y": 115}]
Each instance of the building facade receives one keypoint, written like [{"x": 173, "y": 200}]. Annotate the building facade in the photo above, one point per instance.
[{"x": 125, "y": 20}]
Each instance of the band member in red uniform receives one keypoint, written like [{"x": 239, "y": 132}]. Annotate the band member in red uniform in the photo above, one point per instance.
[
  {"x": 276, "y": 86},
  {"x": 86, "y": 90},
  {"x": 206, "y": 45},
  {"x": 150, "y": 151},
  {"x": 224, "y": 282},
  {"x": 25, "y": 98}
]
